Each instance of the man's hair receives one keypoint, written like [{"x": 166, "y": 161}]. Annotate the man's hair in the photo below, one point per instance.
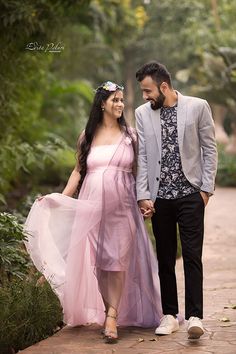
[{"x": 157, "y": 71}]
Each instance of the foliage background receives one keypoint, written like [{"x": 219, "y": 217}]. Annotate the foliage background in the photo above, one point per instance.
[{"x": 45, "y": 96}]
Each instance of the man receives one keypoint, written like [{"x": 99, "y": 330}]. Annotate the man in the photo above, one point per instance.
[{"x": 177, "y": 162}]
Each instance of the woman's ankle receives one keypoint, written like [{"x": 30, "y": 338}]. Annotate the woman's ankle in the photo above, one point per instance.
[{"x": 111, "y": 312}]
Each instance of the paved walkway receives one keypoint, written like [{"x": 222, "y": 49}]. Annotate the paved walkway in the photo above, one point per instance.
[{"x": 219, "y": 299}]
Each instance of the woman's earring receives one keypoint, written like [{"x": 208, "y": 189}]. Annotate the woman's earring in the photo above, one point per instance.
[{"x": 103, "y": 108}]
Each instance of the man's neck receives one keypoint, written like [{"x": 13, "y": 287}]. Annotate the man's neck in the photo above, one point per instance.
[{"x": 171, "y": 99}]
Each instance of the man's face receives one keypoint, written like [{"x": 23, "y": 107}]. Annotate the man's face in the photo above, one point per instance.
[{"x": 151, "y": 92}]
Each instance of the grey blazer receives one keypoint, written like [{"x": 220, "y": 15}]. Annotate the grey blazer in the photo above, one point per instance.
[{"x": 197, "y": 145}]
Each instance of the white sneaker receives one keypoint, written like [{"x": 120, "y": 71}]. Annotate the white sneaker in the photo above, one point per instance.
[
  {"x": 195, "y": 328},
  {"x": 168, "y": 325}
]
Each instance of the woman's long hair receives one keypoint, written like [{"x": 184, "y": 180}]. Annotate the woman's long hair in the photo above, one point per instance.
[{"x": 95, "y": 119}]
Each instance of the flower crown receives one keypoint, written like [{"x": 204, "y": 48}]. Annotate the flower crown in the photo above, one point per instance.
[{"x": 109, "y": 86}]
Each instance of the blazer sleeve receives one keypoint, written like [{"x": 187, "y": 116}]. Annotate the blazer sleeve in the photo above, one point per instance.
[
  {"x": 142, "y": 187},
  {"x": 209, "y": 149}
]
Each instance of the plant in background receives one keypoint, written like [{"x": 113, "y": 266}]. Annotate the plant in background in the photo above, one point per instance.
[
  {"x": 152, "y": 238},
  {"x": 19, "y": 158},
  {"x": 226, "y": 171},
  {"x": 14, "y": 261},
  {"x": 29, "y": 311}
]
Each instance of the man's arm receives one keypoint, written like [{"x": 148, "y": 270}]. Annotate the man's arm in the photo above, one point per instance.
[
  {"x": 209, "y": 149},
  {"x": 142, "y": 171}
]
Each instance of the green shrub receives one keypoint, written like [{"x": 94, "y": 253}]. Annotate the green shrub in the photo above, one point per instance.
[
  {"x": 226, "y": 172},
  {"x": 29, "y": 310},
  {"x": 58, "y": 173},
  {"x": 29, "y": 313},
  {"x": 18, "y": 159},
  {"x": 14, "y": 260}
]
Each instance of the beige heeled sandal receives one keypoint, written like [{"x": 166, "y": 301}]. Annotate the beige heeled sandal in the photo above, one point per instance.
[{"x": 110, "y": 336}]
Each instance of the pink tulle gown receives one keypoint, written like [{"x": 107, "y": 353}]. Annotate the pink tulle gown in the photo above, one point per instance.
[{"x": 97, "y": 247}]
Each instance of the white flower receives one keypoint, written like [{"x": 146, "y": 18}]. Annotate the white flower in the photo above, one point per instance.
[{"x": 110, "y": 86}]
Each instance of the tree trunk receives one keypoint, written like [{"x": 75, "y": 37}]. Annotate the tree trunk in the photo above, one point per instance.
[
  {"x": 214, "y": 7},
  {"x": 129, "y": 88}
]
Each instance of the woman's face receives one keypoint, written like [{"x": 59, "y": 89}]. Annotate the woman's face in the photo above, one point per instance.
[{"x": 114, "y": 105}]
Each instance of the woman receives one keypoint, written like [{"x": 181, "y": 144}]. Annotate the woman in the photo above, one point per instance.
[{"x": 95, "y": 251}]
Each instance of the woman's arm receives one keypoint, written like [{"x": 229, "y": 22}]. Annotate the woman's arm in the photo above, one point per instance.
[
  {"x": 72, "y": 183},
  {"x": 74, "y": 178}
]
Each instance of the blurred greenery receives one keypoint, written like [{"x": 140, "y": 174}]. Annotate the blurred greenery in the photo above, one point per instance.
[
  {"x": 45, "y": 96},
  {"x": 226, "y": 174},
  {"x": 152, "y": 238}
]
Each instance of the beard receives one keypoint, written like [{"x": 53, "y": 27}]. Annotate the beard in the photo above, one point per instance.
[{"x": 159, "y": 102}]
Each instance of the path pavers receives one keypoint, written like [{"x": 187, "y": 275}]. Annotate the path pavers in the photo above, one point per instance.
[{"x": 219, "y": 259}]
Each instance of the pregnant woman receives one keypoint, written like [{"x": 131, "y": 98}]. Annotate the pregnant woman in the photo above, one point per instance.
[{"x": 94, "y": 250}]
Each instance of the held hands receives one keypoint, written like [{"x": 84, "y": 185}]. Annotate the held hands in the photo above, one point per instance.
[{"x": 147, "y": 208}]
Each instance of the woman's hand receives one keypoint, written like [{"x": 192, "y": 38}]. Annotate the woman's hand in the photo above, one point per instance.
[{"x": 40, "y": 198}]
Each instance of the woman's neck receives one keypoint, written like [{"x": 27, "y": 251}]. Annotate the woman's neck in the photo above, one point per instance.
[{"x": 110, "y": 124}]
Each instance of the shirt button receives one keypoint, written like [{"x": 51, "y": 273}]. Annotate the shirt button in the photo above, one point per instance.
[
  {"x": 159, "y": 162},
  {"x": 157, "y": 179}
]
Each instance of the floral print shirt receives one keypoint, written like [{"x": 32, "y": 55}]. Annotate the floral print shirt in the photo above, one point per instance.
[{"x": 173, "y": 183}]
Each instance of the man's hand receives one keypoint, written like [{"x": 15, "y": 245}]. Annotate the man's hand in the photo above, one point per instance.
[
  {"x": 205, "y": 197},
  {"x": 147, "y": 207}
]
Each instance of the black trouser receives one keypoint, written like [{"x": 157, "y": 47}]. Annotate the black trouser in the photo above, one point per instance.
[{"x": 188, "y": 212}]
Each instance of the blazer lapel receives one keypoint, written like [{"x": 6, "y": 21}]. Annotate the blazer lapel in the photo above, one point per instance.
[
  {"x": 156, "y": 123},
  {"x": 181, "y": 118}
]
